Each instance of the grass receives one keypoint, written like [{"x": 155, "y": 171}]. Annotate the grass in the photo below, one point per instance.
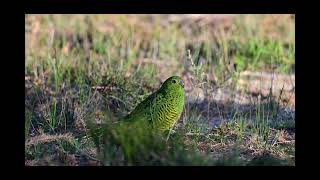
[{"x": 85, "y": 72}]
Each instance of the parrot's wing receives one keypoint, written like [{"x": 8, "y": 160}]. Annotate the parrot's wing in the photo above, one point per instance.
[{"x": 143, "y": 110}]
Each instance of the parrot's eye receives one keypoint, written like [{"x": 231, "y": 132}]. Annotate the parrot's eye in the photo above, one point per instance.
[{"x": 174, "y": 81}]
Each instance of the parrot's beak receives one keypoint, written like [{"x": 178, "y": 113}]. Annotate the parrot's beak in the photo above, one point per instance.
[{"x": 182, "y": 83}]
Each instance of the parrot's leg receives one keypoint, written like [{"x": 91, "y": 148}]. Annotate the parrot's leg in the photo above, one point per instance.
[
  {"x": 168, "y": 136},
  {"x": 170, "y": 132}
]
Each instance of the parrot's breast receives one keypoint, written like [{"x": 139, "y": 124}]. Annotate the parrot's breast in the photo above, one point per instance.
[{"x": 168, "y": 112}]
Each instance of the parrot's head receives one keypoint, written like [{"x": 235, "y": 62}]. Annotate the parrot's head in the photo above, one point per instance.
[{"x": 173, "y": 83}]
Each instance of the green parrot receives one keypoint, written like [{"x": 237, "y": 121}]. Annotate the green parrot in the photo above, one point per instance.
[
  {"x": 137, "y": 133},
  {"x": 163, "y": 108}
]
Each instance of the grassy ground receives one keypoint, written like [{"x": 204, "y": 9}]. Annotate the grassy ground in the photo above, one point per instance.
[{"x": 82, "y": 71}]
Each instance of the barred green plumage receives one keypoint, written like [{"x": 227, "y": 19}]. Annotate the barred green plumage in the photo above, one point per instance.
[{"x": 162, "y": 108}]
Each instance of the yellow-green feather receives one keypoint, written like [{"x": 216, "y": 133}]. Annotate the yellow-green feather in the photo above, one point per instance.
[{"x": 162, "y": 108}]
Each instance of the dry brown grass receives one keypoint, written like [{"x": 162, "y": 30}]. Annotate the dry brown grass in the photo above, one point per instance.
[{"x": 46, "y": 138}]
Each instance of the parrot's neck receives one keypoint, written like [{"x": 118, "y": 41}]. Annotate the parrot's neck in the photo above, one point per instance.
[{"x": 171, "y": 93}]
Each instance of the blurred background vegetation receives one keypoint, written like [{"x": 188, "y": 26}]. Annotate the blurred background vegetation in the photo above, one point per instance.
[{"x": 239, "y": 81}]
